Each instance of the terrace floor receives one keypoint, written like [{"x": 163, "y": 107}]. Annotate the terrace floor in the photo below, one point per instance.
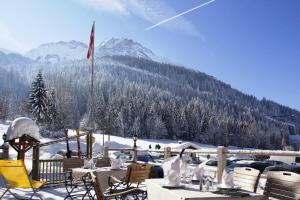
[{"x": 47, "y": 193}]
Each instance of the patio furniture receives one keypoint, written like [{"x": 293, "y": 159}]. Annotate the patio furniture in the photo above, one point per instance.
[
  {"x": 156, "y": 191},
  {"x": 70, "y": 163},
  {"x": 102, "y": 162},
  {"x": 15, "y": 175},
  {"x": 136, "y": 174},
  {"x": 246, "y": 177},
  {"x": 99, "y": 177},
  {"x": 282, "y": 185},
  {"x": 73, "y": 185},
  {"x": 120, "y": 183}
]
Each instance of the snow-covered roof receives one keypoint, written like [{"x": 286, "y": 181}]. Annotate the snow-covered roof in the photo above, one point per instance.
[
  {"x": 22, "y": 126},
  {"x": 185, "y": 145}
]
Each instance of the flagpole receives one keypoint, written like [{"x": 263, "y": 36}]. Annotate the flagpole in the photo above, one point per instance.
[
  {"x": 92, "y": 84},
  {"x": 92, "y": 94}
]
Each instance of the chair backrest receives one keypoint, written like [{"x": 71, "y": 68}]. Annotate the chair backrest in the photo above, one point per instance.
[
  {"x": 246, "y": 177},
  {"x": 69, "y": 163},
  {"x": 102, "y": 162},
  {"x": 211, "y": 173},
  {"x": 15, "y": 173},
  {"x": 282, "y": 185},
  {"x": 138, "y": 173}
]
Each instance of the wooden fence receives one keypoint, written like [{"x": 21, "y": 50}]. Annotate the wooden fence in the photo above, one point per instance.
[{"x": 52, "y": 170}]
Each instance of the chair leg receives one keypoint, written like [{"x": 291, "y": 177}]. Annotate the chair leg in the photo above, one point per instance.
[
  {"x": 7, "y": 189},
  {"x": 34, "y": 193}
]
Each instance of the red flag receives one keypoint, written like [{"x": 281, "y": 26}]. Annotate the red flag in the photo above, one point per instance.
[{"x": 91, "y": 45}]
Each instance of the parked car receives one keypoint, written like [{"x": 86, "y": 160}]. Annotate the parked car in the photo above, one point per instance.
[
  {"x": 293, "y": 160},
  {"x": 211, "y": 165},
  {"x": 259, "y": 165}
]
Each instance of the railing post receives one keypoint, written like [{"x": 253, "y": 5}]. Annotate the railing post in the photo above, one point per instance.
[
  {"x": 105, "y": 152},
  {"x": 167, "y": 152},
  {"x": 35, "y": 162},
  {"x": 5, "y": 151},
  {"x": 221, "y": 162},
  {"x": 92, "y": 141},
  {"x": 134, "y": 156}
]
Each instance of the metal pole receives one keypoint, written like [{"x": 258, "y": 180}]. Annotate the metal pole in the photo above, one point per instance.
[
  {"x": 92, "y": 94},
  {"x": 92, "y": 83}
]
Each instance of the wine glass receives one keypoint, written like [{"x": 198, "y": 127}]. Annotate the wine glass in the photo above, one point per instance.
[{"x": 189, "y": 176}]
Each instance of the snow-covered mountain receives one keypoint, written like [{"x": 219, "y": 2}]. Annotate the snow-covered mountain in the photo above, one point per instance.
[
  {"x": 8, "y": 57},
  {"x": 74, "y": 50},
  {"x": 58, "y": 52},
  {"x": 125, "y": 47}
]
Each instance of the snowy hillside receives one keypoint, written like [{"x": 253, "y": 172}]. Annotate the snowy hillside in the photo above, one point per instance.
[
  {"x": 57, "y": 52},
  {"x": 8, "y": 57},
  {"x": 124, "y": 46}
]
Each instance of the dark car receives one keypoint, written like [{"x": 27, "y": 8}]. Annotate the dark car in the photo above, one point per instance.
[
  {"x": 259, "y": 165},
  {"x": 283, "y": 167}
]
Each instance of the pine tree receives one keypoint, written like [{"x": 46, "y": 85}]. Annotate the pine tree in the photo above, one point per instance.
[
  {"x": 52, "y": 115},
  {"x": 38, "y": 99}
]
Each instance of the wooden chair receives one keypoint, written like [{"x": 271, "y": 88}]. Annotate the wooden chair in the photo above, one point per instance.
[
  {"x": 69, "y": 163},
  {"x": 129, "y": 186},
  {"x": 246, "y": 177},
  {"x": 71, "y": 184},
  {"x": 15, "y": 175},
  {"x": 102, "y": 162},
  {"x": 282, "y": 185}
]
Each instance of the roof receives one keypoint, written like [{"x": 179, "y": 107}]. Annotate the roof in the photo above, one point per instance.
[
  {"x": 22, "y": 126},
  {"x": 185, "y": 145}
]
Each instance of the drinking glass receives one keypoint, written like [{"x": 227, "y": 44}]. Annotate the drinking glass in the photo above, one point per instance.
[{"x": 189, "y": 176}]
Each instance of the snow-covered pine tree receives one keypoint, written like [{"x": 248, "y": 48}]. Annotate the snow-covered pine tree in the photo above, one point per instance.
[
  {"x": 38, "y": 99},
  {"x": 52, "y": 115}
]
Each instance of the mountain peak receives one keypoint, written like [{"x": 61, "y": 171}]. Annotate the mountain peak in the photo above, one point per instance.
[
  {"x": 125, "y": 46},
  {"x": 58, "y": 51}
]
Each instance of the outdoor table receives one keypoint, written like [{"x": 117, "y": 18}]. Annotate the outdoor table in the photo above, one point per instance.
[
  {"x": 192, "y": 192},
  {"x": 102, "y": 174}
]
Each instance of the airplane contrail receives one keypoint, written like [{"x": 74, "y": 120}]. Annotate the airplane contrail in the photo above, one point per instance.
[{"x": 180, "y": 14}]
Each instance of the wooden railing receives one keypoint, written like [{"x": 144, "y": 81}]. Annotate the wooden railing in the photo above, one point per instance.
[
  {"x": 222, "y": 153},
  {"x": 51, "y": 171}
]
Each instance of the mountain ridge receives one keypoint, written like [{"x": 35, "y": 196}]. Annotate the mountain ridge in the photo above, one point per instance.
[{"x": 62, "y": 51}]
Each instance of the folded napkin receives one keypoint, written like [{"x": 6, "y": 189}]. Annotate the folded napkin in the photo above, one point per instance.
[
  {"x": 227, "y": 179},
  {"x": 171, "y": 168},
  {"x": 115, "y": 163},
  {"x": 198, "y": 173},
  {"x": 88, "y": 163}
]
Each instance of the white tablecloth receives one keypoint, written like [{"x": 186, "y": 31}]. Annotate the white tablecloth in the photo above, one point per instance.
[
  {"x": 101, "y": 173},
  {"x": 155, "y": 192}
]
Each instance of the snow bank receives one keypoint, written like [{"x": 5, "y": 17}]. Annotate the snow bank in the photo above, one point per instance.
[{"x": 22, "y": 126}]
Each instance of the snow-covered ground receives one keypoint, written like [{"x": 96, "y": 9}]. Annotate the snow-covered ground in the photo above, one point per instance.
[{"x": 48, "y": 152}]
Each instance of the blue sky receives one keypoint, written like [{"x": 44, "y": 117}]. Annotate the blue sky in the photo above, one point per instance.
[{"x": 253, "y": 45}]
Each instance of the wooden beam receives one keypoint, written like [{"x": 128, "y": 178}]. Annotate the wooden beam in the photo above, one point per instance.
[
  {"x": 221, "y": 163},
  {"x": 78, "y": 142},
  {"x": 63, "y": 139},
  {"x": 35, "y": 162}
]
